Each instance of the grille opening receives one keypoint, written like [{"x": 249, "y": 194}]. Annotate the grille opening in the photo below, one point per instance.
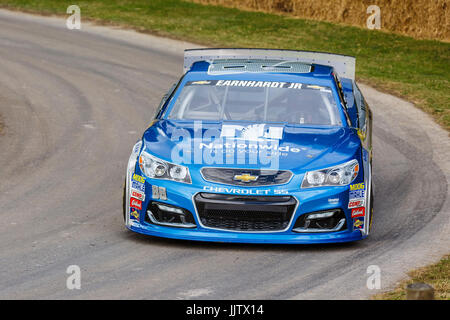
[
  {"x": 219, "y": 66},
  {"x": 245, "y": 213},
  {"x": 276, "y": 67},
  {"x": 168, "y": 215},
  {"x": 333, "y": 220},
  {"x": 227, "y": 176},
  {"x": 233, "y": 67}
]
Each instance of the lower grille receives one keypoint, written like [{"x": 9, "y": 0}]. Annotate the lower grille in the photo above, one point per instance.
[
  {"x": 245, "y": 213},
  {"x": 167, "y": 215},
  {"x": 321, "y": 221}
]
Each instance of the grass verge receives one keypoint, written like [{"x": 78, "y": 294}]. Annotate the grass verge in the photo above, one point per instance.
[
  {"x": 418, "y": 70},
  {"x": 437, "y": 275}
]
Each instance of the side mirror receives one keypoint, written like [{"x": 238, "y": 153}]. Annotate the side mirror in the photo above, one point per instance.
[{"x": 164, "y": 99}]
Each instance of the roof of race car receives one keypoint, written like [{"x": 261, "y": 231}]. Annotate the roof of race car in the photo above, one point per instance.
[
  {"x": 318, "y": 74},
  {"x": 239, "y": 67},
  {"x": 343, "y": 65}
]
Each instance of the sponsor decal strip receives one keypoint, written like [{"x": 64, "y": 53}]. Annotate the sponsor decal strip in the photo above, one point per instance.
[
  {"x": 138, "y": 186},
  {"x": 258, "y": 84},
  {"x": 355, "y": 203},
  {"x": 134, "y": 214},
  {"x": 249, "y": 146},
  {"x": 357, "y": 186},
  {"x": 358, "y": 212},
  {"x": 138, "y": 194},
  {"x": 135, "y": 203},
  {"x": 357, "y": 194},
  {"x": 138, "y": 178},
  {"x": 358, "y": 223}
]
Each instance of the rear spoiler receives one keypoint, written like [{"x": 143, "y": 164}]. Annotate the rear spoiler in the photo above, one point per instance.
[{"x": 343, "y": 65}]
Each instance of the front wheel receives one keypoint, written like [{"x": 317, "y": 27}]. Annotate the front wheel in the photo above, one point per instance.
[
  {"x": 124, "y": 204},
  {"x": 371, "y": 208}
]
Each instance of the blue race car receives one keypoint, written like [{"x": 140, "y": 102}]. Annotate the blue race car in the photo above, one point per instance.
[{"x": 256, "y": 146}]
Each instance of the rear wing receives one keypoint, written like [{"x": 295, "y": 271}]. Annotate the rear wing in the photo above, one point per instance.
[{"x": 343, "y": 65}]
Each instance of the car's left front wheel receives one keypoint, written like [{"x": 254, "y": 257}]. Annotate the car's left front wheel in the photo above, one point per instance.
[{"x": 124, "y": 205}]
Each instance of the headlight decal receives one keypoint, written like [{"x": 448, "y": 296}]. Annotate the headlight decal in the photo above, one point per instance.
[
  {"x": 340, "y": 175},
  {"x": 156, "y": 168}
]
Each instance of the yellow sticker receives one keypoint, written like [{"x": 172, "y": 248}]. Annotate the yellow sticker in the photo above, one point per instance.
[
  {"x": 138, "y": 178},
  {"x": 201, "y": 82},
  {"x": 134, "y": 214},
  {"x": 357, "y": 186},
  {"x": 358, "y": 223},
  {"x": 361, "y": 135}
]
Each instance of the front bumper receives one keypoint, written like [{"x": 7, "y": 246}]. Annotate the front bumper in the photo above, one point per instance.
[
  {"x": 308, "y": 200},
  {"x": 223, "y": 236}
]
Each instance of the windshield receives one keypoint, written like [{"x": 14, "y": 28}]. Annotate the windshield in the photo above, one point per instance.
[{"x": 264, "y": 101}]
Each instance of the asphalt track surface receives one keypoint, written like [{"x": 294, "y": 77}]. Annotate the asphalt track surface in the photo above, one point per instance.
[{"x": 75, "y": 102}]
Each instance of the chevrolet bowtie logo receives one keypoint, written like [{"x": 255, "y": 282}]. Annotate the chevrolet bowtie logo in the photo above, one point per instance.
[{"x": 246, "y": 177}]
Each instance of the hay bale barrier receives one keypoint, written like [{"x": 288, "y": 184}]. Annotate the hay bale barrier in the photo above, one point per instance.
[{"x": 423, "y": 19}]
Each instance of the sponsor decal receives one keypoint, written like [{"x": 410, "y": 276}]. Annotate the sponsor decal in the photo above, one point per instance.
[
  {"x": 247, "y": 147},
  {"x": 333, "y": 201},
  {"x": 138, "y": 186},
  {"x": 134, "y": 214},
  {"x": 135, "y": 203},
  {"x": 357, "y": 194},
  {"x": 138, "y": 178},
  {"x": 138, "y": 194},
  {"x": 357, "y": 186},
  {"x": 358, "y": 223},
  {"x": 358, "y": 212},
  {"x": 254, "y": 132},
  {"x": 258, "y": 84},
  {"x": 355, "y": 203}
]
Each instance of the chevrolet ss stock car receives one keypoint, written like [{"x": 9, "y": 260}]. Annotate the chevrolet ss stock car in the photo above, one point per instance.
[{"x": 256, "y": 146}]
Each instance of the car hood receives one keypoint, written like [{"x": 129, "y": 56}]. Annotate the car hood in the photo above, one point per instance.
[{"x": 250, "y": 145}]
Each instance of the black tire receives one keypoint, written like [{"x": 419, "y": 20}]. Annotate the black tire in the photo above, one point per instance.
[
  {"x": 124, "y": 205},
  {"x": 371, "y": 208}
]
